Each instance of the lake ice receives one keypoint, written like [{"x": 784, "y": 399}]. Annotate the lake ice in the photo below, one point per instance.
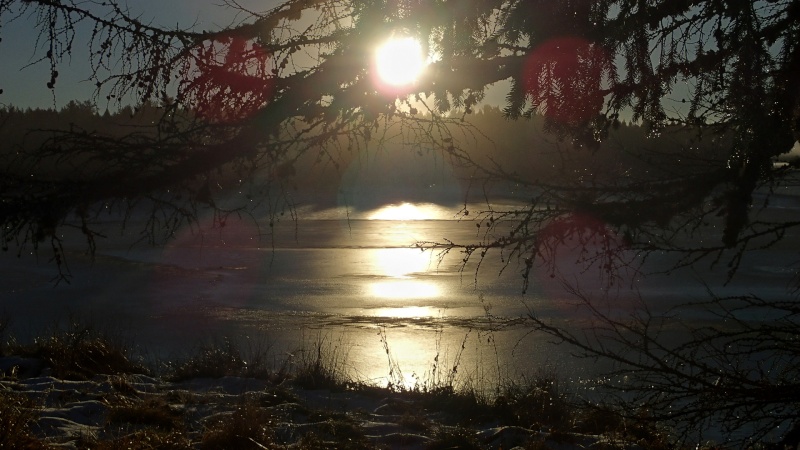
[{"x": 351, "y": 279}]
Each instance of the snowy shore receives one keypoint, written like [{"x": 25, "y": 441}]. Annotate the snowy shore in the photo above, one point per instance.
[{"x": 140, "y": 411}]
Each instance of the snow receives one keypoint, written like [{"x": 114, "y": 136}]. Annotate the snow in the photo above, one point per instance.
[{"x": 69, "y": 411}]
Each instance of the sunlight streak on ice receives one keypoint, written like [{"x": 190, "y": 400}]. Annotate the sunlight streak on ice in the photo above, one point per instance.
[
  {"x": 404, "y": 289},
  {"x": 401, "y": 262},
  {"x": 400, "y": 265}
]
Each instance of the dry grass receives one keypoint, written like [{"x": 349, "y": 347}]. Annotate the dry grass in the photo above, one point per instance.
[
  {"x": 415, "y": 422},
  {"x": 224, "y": 357},
  {"x": 249, "y": 426},
  {"x": 321, "y": 364},
  {"x": 17, "y": 413},
  {"x": 271, "y": 396},
  {"x": 535, "y": 401},
  {"x": 450, "y": 438},
  {"x": 137, "y": 420},
  {"x": 335, "y": 431},
  {"x": 79, "y": 352},
  {"x": 123, "y": 387},
  {"x": 214, "y": 360},
  {"x": 153, "y": 412},
  {"x": 145, "y": 439},
  {"x": 605, "y": 420}
]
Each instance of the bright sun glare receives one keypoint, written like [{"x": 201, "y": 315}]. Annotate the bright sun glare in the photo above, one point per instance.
[
  {"x": 403, "y": 211},
  {"x": 400, "y": 267},
  {"x": 400, "y": 61}
]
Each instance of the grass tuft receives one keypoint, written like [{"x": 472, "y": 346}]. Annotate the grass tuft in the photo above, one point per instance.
[
  {"x": 215, "y": 360},
  {"x": 536, "y": 400},
  {"x": 249, "y": 426},
  {"x": 222, "y": 358},
  {"x": 80, "y": 352},
  {"x": 145, "y": 439},
  {"x": 454, "y": 437},
  {"x": 17, "y": 414},
  {"x": 321, "y": 365},
  {"x": 334, "y": 430},
  {"x": 154, "y": 411}
]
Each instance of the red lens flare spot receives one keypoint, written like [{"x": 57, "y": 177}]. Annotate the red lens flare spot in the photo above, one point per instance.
[
  {"x": 563, "y": 79},
  {"x": 583, "y": 248},
  {"x": 592, "y": 258},
  {"x": 214, "y": 256},
  {"x": 230, "y": 80}
]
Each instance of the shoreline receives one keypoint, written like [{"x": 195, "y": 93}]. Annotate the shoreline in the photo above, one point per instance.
[{"x": 78, "y": 389}]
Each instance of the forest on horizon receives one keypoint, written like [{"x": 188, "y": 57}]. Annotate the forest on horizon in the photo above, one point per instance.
[{"x": 405, "y": 166}]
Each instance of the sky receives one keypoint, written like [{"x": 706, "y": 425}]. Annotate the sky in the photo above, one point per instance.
[
  {"x": 23, "y": 81},
  {"x": 24, "y": 85}
]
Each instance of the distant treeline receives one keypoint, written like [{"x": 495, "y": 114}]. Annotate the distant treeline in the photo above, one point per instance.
[{"x": 519, "y": 152}]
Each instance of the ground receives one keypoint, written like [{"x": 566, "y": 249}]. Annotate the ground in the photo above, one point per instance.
[{"x": 140, "y": 411}]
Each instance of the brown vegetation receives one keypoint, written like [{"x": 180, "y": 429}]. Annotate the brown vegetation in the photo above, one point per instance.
[{"x": 276, "y": 410}]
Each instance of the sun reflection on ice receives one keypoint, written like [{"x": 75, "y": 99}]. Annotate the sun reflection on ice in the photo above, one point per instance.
[
  {"x": 401, "y": 262},
  {"x": 400, "y": 269},
  {"x": 404, "y": 289},
  {"x": 404, "y": 211},
  {"x": 409, "y": 312},
  {"x": 402, "y": 266}
]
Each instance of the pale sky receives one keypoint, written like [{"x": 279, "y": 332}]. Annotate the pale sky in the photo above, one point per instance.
[{"x": 27, "y": 86}]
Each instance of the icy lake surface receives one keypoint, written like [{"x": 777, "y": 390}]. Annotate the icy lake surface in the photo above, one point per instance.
[{"x": 351, "y": 279}]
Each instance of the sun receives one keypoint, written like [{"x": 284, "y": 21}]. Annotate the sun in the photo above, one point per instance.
[{"x": 400, "y": 61}]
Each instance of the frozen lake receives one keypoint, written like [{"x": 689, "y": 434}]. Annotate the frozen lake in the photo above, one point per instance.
[{"x": 352, "y": 280}]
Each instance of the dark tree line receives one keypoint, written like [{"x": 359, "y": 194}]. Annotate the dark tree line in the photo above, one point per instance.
[
  {"x": 523, "y": 145},
  {"x": 295, "y": 82}
]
